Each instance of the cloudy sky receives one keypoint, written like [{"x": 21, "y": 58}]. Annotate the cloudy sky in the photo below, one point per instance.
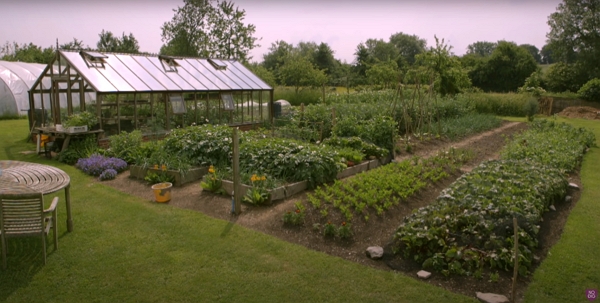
[{"x": 343, "y": 24}]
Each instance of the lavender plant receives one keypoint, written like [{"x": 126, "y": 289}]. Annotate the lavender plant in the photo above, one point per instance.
[{"x": 96, "y": 164}]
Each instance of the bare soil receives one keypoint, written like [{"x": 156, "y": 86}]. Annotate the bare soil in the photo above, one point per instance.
[{"x": 378, "y": 231}]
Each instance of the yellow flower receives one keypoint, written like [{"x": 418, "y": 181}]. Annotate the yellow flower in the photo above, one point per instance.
[
  {"x": 163, "y": 167},
  {"x": 211, "y": 169},
  {"x": 253, "y": 178},
  {"x": 263, "y": 178},
  {"x": 155, "y": 166}
]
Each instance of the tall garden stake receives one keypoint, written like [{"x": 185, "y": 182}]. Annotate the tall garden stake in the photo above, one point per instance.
[
  {"x": 237, "y": 193},
  {"x": 516, "y": 256}
]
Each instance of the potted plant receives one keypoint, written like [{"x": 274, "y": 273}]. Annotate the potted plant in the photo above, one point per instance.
[{"x": 80, "y": 122}]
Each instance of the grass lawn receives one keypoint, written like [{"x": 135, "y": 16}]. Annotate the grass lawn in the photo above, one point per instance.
[{"x": 126, "y": 249}]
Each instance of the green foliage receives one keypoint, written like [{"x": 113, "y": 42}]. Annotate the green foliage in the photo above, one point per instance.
[
  {"x": 79, "y": 148},
  {"x": 383, "y": 73},
  {"x": 563, "y": 77},
  {"x": 450, "y": 77},
  {"x": 352, "y": 156},
  {"x": 298, "y": 71},
  {"x": 469, "y": 124},
  {"x": 511, "y": 104},
  {"x": 379, "y": 129},
  {"x": 469, "y": 226},
  {"x": 345, "y": 231},
  {"x": 378, "y": 190},
  {"x": 258, "y": 193},
  {"x": 481, "y": 48},
  {"x": 329, "y": 230},
  {"x": 531, "y": 108},
  {"x": 505, "y": 70},
  {"x": 155, "y": 154},
  {"x": 533, "y": 85},
  {"x": 125, "y": 44},
  {"x": 126, "y": 146},
  {"x": 158, "y": 177},
  {"x": 81, "y": 119},
  {"x": 574, "y": 36},
  {"x": 203, "y": 145},
  {"x": 209, "y": 29},
  {"x": 295, "y": 217},
  {"x": 26, "y": 53},
  {"x": 212, "y": 181},
  {"x": 590, "y": 91},
  {"x": 305, "y": 95},
  {"x": 356, "y": 143},
  {"x": 408, "y": 47}
]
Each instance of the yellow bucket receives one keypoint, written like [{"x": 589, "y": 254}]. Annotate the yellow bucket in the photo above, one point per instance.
[{"x": 162, "y": 191}]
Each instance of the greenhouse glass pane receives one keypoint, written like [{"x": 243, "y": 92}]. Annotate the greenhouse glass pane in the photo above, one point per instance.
[
  {"x": 119, "y": 67},
  {"x": 209, "y": 75},
  {"x": 91, "y": 74},
  {"x": 191, "y": 73},
  {"x": 173, "y": 76},
  {"x": 230, "y": 73},
  {"x": 158, "y": 74},
  {"x": 142, "y": 73},
  {"x": 219, "y": 73},
  {"x": 242, "y": 69},
  {"x": 185, "y": 71},
  {"x": 114, "y": 78}
]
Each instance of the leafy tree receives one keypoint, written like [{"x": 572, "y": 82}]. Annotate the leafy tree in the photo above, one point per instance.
[
  {"x": 408, "y": 46},
  {"x": 383, "y": 73},
  {"x": 534, "y": 51},
  {"x": 323, "y": 59},
  {"x": 505, "y": 70},
  {"x": 449, "y": 76},
  {"x": 277, "y": 52},
  {"x": 575, "y": 37},
  {"x": 74, "y": 45},
  {"x": 562, "y": 77},
  {"x": 209, "y": 28},
  {"x": 362, "y": 61},
  {"x": 26, "y": 53},
  {"x": 481, "y": 48},
  {"x": 109, "y": 43},
  {"x": 546, "y": 54},
  {"x": 263, "y": 73},
  {"x": 298, "y": 71}
]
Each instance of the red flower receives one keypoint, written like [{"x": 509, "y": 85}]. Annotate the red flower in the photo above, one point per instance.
[
  {"x": 343, "y": 223},
  {"x": 297, "y": 211}
]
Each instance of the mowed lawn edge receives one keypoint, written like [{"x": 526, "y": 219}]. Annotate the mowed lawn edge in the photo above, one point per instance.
[{"x": 129, "y": 249}]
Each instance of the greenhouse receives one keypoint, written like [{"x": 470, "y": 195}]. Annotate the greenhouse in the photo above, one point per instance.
[{"x": 150, "y": 93}]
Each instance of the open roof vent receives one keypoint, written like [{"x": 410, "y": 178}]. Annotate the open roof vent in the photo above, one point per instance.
[
  {"x": 93, "y": 59},
  {"x": 169, "y": 63},
  {"x": 218, "y": 64}
]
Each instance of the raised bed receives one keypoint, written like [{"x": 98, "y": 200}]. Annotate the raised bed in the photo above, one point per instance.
[
  {"x": 194, "y": 174},
  {"x": 278, "y": 193}
]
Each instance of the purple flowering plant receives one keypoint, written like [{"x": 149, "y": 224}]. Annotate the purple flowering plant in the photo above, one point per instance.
[
  {"x": 108, "y": 174},
  {"x": 96, "y": 164}
]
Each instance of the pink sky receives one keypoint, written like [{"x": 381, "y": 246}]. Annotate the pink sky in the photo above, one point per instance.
[{"x": 341, "y": 24}]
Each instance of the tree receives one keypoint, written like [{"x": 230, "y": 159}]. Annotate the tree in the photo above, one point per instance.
[
  {"x": 74, "y": 45},
  {"x": 263, "y": 73},
  {"x": 109, "y": 43},
  {"x": 449, "y": 76},
  {"x": 298, "y": 71},
  {"x": 277, "y": 52},
  {"x": 481, "y": 48},
  {"x": 26, "y": 53},
  {"x": 575, "y": 35},
  {"x": 546, "y": 53},
  {"x": 534, "y": 51},
  {"x": 209, "y": 28},
  {"x": 408, "y": 46},
  {"x": 383, "y": 73},
  {"x": 505, "y": 70}
]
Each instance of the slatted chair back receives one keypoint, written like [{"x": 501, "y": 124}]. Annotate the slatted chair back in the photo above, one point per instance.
[{"x": 24, "y": 215}]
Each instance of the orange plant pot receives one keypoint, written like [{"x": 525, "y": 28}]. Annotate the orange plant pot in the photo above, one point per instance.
[{"x": 162, "y": 191}]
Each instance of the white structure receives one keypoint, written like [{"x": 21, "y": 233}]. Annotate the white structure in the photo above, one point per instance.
[{"x": 16, "y": 78}]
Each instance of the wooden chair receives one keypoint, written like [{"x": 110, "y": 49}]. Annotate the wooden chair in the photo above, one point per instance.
[{"x": 24, "y": 215}]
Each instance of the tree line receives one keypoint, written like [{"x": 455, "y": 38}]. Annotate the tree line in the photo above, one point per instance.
[{"x": 216, "y": 28}]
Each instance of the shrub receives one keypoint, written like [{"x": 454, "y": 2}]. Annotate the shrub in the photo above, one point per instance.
[
  {"x": 329, "y": 230},
  {"x": 211, "y": 182},
  {"x": 159, "y": 177},
  {"x": 590, "y": 91},
  {"x": 345, "y": 230},
  {"x": 295, "y": 217},
  {"x": 356, "y": 143},
  {"x": 509, "y": 104},
  {"x": 127, "y": 146},
  {"x": 96, "y": 164},
  {"x": 79, "y": 148}
]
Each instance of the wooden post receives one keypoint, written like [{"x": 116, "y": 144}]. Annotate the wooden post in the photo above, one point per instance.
[
  {"x": 237, "y": 194},
  {"x": 516, "y": 257}
]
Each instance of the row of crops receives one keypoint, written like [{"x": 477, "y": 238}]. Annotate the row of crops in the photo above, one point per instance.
[{"x": 469, "y": 226}]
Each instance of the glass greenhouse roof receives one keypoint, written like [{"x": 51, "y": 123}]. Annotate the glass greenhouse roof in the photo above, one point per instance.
[{"x": 108, "y": 73}]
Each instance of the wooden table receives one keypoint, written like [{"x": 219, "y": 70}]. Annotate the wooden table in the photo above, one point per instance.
[
  {"x": 52, "y": 132},
  {"x": 25, "y": 177}
]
